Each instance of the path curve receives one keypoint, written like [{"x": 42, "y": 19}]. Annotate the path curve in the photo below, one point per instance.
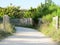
[{"x": 27, "y": 36}]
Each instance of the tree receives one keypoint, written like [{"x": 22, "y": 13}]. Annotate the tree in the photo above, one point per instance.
[
  {"x": 48, "y": 1},
  {"x": 12, "y": 11}
]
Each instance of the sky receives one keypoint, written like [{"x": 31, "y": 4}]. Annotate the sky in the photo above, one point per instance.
[{"x": 25, "y": 4}]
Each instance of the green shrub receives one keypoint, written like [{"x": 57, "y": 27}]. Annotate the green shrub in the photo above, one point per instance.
[{"x": 47, "y": 18}]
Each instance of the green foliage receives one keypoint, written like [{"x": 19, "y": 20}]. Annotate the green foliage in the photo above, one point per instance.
[
  {"x": 27, "y": 14},
  {"x": 1, "y": 12},
  {"x": 12, "y": 11},
  {"x": 58, "y": 11},
  {"x": 42, "y": 10},
  {"x": 35, "y": 16},
  {"x": 47, "y": 18},
  {"x": 45, "y": 11}
]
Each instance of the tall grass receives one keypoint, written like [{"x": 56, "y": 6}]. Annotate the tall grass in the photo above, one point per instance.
[
  {"x": 9, "y": 29},
  {"x": 50, "y": 31}
]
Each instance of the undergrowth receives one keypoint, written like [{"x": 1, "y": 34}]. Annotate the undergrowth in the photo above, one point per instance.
[
  {"x": 8, "y": 30},
  {"x": 50, "y": 31}
]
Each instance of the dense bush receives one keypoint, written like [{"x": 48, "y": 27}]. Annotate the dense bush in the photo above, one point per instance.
[
  {"x": 12, "y": 11},
  {"x": 47, "y": 18}
]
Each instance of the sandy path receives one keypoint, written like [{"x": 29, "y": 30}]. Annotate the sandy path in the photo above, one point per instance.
[{"x": 27, "y": 36}]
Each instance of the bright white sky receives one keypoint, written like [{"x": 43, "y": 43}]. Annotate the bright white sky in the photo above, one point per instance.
[{"x": 24, "y": 4}]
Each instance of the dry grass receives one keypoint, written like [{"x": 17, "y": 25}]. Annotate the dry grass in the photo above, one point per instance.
[
  {"x": 50, "y": 31},
  {"x": 8, "y": 30}
]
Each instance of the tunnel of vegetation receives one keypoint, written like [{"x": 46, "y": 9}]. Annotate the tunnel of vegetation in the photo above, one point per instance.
[{"x": 44, "y": 11}]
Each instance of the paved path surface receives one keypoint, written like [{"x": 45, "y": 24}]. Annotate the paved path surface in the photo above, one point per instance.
[{"x": 26, "y": 36}]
